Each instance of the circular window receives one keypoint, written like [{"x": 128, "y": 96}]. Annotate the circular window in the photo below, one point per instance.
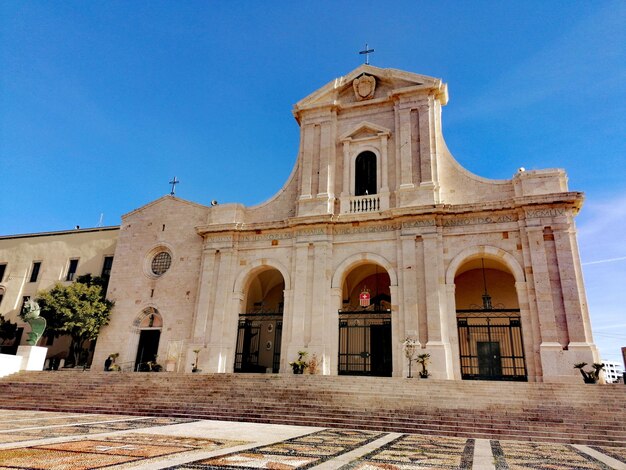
[{"x": 161, "y": 263}]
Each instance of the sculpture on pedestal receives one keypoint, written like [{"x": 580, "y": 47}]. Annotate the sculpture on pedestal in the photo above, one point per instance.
[{"x": 30, "y": 314}]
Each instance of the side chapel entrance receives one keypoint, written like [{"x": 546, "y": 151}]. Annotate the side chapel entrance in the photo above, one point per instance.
[
  {"x": 260, "y": 326},
  {"x": 489, "y": 324},
  {"x": 150, "y": 325},
  {"x": 365, "y": 323}
]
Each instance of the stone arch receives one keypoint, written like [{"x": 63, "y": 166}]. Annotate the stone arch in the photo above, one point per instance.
[
  {"x": 485, "y": 251},
  {"x": 491, "y": 338},
  {"x": 361, "y": 258},
  {"x": 258, "y": 341},
  {"x": 257, "y": 265},
  {"x": 145, "y": 312}
]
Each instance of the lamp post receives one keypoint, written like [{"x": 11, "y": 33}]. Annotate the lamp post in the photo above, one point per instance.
[{"x": 410, "y": 346}]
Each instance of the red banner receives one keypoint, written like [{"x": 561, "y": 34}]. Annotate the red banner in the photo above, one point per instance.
[{"x": 364, "y": 298}]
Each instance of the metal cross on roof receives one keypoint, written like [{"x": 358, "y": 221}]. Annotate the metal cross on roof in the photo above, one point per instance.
[
  {"x": 367, "y": 53},
  {"x": 174, "y": 182}
]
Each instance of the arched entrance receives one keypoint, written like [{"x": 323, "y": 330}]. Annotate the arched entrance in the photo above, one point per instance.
[
  {"x": 150, "y": 324},
  {"x": 489, "y": 325},
  {"x": 365, "y": 322},
  {"x": 260, "y": 325}
]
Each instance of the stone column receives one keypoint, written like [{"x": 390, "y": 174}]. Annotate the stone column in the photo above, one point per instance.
[
  {"x": 438, "y": 344},
  {"x": 542, "y": 285},
  {"x": 205, "y": 296},
  {"x": 319, "y": 299},
  {"x": 384, "y": 164},
  {"x": 396, "y": 335},
  {"x": 426, "y": 171},
  {"x": 331, "y": 360},
  {"x": 222, "y": 332},
  {"x": 572, "y": 286},
  {"x": 433, "y": 304},
  {"x": 531, "y": 335},
  {"x": 324, "y": 165},
  {"x": 454, "y": 371},
  {"x": 308, "y": 131},
  {"x": 345, "y": 191},
  {"x": 408, "y": 276},
  {"x": 301, "y": 300},
  {"x": 406, "y": 161},
  {"x": 287, "y": 330}
]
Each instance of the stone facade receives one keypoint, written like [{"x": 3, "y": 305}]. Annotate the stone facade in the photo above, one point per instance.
[
  {"x": 375, "y": 204},
  {"x": 91, "y": 249}
]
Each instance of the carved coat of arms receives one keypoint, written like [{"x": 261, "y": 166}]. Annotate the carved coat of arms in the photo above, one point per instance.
[{"x": 364, "y": 87}]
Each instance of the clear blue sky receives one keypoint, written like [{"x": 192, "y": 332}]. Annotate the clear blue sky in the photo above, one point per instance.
[{"x": 102, "y": 103}]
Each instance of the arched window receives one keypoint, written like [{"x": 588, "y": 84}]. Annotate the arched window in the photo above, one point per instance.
[{"x": 365, "y": 174}]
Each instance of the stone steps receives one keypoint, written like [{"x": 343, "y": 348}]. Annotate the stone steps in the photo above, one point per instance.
[{"x": 580, "y": 414}]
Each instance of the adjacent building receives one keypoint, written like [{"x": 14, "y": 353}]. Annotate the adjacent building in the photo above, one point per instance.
[
  {"x": 33, "y": 262},
  {"x": 613, "y": 372}
]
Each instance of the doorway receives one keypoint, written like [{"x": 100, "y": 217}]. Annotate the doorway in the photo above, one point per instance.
[
  {"x": 147, "y": 349},
  {"x": 489, "y": 358}
]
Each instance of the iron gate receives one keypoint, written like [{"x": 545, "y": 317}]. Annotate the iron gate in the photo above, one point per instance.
[
  {"x": 365, "y": 343},
  {"x": 491, "y": 345},
  {"x": 258, "y": 342}
]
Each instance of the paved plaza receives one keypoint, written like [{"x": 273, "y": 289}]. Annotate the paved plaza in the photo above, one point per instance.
[{"x": 44, "y": 440}]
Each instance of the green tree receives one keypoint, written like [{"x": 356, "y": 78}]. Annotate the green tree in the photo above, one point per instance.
[{"x": 79, "y": 310}]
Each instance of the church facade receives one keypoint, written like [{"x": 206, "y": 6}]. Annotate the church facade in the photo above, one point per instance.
[{"x": 378, "y": 237}]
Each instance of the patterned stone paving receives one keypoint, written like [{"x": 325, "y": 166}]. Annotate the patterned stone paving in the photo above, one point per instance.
[
  {"x": 412, "y": 451},
  {"x": 300, "y": 452},
  {"x": 97, "y": 453},
  {"x": 520, "y": 455},
  {"x": 83, "y": 442},
  {"x": 78, "y": 425},
  {"x": 618, "y": 453}
]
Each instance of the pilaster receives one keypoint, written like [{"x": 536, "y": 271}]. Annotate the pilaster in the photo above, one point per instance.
[
  {"x": 222, "y": 325},
  {"x": 206, "y": 288},
  {"x": 408, "y": 275},
  {"x": 406, "y": 161},
  {"x": 571, "y": 285},
  {"x": 308, "y": 131},
  {"x": 541, "y": 283}
]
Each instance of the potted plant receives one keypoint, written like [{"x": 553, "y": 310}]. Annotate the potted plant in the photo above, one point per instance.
[
  {"x": 300, "y": 364},
  {"x": 589, "y": 376},
  {"x": 154, "y": 366},
  {"x": 423, "y": 360},
  {"x": 110, "y": 364}
]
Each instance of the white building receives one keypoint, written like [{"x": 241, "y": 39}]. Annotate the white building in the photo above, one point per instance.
[
  {"x": 377, "y": 236},
  {"x": 33, "y": 262},
  {"x": 613, "y": 372}
]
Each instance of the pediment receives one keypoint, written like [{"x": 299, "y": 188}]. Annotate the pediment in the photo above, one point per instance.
[
  {"x": 365, "y": 130},
  {"x": 388, "y": 83},
  {"x": 165, "y": 204}
]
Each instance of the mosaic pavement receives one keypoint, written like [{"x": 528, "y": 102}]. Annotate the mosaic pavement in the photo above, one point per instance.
[
  {"x": 415, "y": 451},
  {"x": 300, "y": 452},
  {"x": 618, "y": 453},
  {"x": 57, "y": 441},
  {"x": 522, "y": 455},
  {"x": 99, "y": 453},
  {"x": 27, "y": 430}
]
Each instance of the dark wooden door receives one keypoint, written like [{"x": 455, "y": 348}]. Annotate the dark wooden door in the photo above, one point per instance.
[{"x": 148, "y": 348}]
